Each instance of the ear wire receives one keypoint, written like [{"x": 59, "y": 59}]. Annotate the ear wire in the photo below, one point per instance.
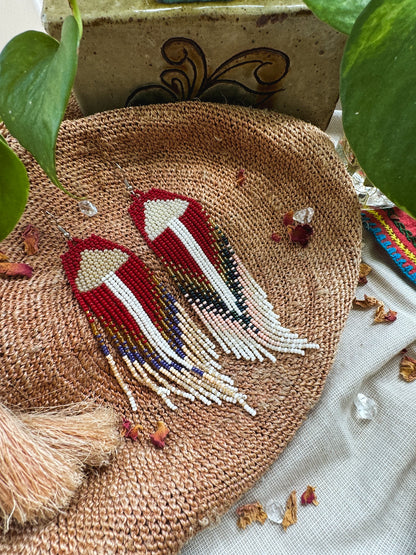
[
  {"x": 64, "y": 232},
  {"x": 129, "y": 186}
]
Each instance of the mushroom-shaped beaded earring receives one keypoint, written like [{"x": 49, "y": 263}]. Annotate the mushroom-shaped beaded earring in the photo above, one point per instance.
[
  {"x": 130, "y": 311},
  {"x": 207, "y": 270}
]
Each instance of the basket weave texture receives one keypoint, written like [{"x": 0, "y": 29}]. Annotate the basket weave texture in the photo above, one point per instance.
[{"x": 149, "y": 500}]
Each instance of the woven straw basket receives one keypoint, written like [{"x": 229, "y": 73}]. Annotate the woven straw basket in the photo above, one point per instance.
[{"x": 149, "y": 500}]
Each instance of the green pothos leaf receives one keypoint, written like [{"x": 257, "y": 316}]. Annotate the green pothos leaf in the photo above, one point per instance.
[
  {"x": 378, "y": 91},
  {"x": 14, "y": 189},
  {"x": 340, "y": 14},
  {"x": 36, "y": 77}
]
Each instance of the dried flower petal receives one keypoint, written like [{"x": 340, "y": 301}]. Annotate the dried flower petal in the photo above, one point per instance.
[
  {"x": 309, "y": 496},
  {"x": 130, "y": 431},
  {"x": 290, "y": 516},
  {"x": 159, "y": 436},
  {"x": 241, "y": 177},
  {"x": 382, "y": 316},
  {"x": 367, "y": 302},
  {"x": 3, "y": 257},
  {"x": 301, "y": 233},
  {"x": 380, "y": 313},
  {"x": 276, "y": 238},
  {"x": 391, "y": 316},
  {"x": 365, "y": 269},
  {"x": 15, "y": 269},
  {"x": 298, "y": 232},
  {"x": 249, "y": 513},
  {"x": 288, "y": 218},
  {"x": 408, "y": 368},
  {"x": 31, "y": 239}
]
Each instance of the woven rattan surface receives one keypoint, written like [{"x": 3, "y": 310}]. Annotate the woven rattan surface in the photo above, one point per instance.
[{"x": 149, "y": 500}]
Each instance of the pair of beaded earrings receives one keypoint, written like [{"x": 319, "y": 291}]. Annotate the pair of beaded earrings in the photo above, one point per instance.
[{"x": 160, "y": 345}]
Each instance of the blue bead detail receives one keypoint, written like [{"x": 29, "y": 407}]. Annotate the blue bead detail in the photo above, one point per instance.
[
  {"x": 176, "y": 366},
  {"x": 197, "y": 371}
]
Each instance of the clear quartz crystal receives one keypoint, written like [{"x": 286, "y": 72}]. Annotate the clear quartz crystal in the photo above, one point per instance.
[
  {"x": 304, "y": 216},
  {"x": 87, "y": 208},
  {"x": 366, "y": 407},
  {"x": 274, "y": 511}
]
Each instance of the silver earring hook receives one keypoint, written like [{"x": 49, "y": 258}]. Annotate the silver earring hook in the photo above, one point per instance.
[
  {"x": 129, "y": 187},
  {"x": 64, "y": 232}
]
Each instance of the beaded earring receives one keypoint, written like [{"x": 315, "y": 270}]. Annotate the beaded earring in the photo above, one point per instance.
[
  {"x": 210, "y": 275},
  {"x": 127, "y": 306}
]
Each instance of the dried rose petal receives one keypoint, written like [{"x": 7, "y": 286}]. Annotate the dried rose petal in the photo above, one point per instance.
[
  {"x": 309, "y": 496},
  {"x": 15, "y": 269},
  {"x": 382, "y": 316},
  {"x": 249, "y": 513},
  {"x": 301, "y": 233},
  {"x": 391, "y": 316},
  {"x": 159, "y": 436},
  {"x": 130, "y": 431},
  {"x": 365, "y": 269},
  {"x": 276, "y": 238},
  {"x": 126, "y": 425},
  {"x": 31, "y": 239},
  {"x": 408, "y": 368},
  {"x": 288, "y": 218},
  {"x": 290, "y": 516},
  {"x": 367, "y": 302},
  {"x": 3, "y": 257},
  {"x": 241, "y": 177}
]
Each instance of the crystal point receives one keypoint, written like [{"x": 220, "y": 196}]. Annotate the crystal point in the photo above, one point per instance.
[
  {"x": 274, "y": 511},
  {"x": 304, "y": 216},
  {"x": 366, "y": 407},
  {"x": 87, "y": 208}
]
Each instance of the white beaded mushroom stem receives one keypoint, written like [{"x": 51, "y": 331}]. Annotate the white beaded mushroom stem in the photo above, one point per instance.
[{"x": 205, "y": 265}]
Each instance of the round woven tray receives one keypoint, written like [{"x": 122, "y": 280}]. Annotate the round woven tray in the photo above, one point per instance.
[{"x": 149, "y": 500}]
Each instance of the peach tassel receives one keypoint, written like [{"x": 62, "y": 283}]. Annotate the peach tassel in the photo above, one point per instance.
[{"x": 42, "y": 455}]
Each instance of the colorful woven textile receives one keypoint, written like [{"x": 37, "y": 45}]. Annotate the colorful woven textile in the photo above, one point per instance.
[{"x": 395, "y": 231}]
